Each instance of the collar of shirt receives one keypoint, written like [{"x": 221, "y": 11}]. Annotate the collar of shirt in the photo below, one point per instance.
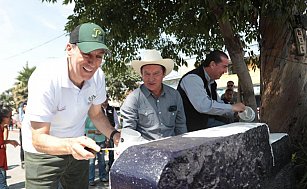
[
  {"x": 210, "y": 81},
  {"x": 147, "y": 93}
]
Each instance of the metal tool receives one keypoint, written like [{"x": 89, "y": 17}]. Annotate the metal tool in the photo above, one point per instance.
[{"x": 101, "y": 149}]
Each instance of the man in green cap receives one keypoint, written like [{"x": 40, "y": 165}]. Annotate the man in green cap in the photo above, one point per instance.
[{"x": 61, "y": 95}]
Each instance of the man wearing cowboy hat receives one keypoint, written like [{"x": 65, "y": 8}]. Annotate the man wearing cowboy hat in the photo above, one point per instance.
[{"x": 154, "y": 109}]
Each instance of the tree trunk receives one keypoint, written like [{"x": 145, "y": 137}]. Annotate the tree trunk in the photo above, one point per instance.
[
  {"x": 235, "y": 50},
  {"x": 284, "y": 79}
]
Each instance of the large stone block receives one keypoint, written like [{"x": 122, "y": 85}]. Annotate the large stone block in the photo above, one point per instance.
[
  {"x": 237, "y": 155},
  {"x": 281, "y": 150},
  {"x": 282, "y": 175}
]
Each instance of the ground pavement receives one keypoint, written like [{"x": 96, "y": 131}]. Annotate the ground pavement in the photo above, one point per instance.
[{"x": 16, "y": 175}]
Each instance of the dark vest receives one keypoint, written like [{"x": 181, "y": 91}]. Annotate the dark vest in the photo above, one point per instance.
[
  {"x": 110, "y": 114},
  {"x": 196, "y": 120}
]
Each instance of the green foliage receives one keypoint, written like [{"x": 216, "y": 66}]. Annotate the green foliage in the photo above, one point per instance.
[
  {"x": 176, "y": 28},
  {"x": 20, "y": 90},
  {"x": 119, "y": 83},
  {"x": 6, "y": 98},
  {"x": 253, "y": 60}
]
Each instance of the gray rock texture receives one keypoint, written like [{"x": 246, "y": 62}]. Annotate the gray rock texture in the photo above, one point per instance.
[{"x": 241, "y": 159}]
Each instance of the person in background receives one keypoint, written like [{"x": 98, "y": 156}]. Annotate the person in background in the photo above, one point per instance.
[
  {"x": 228, "y": 99},
  {"x": 231, "y": 85},
  {"x": 61, "y": 96},
  {"x": 111, "y": 113},
  {"x": 202, "y": 105},
  {"x": 5, "y": 119},
  {"x": 22, "y": 110},
  {"x": 92, "y": 132},
  {"x": 154, "y": 109},
  {"x": 11, "y": 125},
  {"x": 15, "y": 118},
  {"x": 228, "y": 96}
]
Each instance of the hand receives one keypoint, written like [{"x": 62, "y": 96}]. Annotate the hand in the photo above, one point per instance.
[
  {"x": 77, "y": 146},
  {"x": 238, "y": 107},
  {"x": 13, "y": 142}
]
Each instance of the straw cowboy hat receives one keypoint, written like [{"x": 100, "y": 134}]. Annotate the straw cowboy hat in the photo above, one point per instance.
[{"x": 152, "y": 57}]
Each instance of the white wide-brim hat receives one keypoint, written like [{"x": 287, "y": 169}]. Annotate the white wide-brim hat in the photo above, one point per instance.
[{"x": 152, "y": 57}]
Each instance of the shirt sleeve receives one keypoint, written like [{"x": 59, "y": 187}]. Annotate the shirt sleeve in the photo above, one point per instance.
[
  {"x": 41, "y": 100},
  {"x": 194, "y": 88}
]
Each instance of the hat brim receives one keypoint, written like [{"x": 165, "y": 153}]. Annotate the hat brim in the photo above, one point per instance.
[
  {"x": 87, "y": 47},
  {"x": 167, "y": 63}
]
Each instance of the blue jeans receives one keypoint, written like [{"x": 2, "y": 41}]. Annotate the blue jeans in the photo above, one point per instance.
[
  {"x": 101, "y": 164},
  {"x": 3, "y": 184}
]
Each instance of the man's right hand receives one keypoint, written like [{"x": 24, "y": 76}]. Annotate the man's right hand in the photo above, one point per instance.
[
  {"x": 77, "y": 146},
  {"x": 238, "y": 107},
  {"x": 45, "y": 143}
]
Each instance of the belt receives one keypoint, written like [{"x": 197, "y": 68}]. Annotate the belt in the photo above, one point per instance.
[{"x": 96, "y": 132}]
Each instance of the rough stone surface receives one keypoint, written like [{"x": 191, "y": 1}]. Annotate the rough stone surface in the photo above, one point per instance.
[
  {"x": 282, "y": 153},
  {"x": 284, "y": 179},
  {"x": 242, "y": 160},
  {"x": 282, "y": 175}
]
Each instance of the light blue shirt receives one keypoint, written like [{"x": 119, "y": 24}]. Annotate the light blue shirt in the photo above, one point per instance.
[
  {"x": 193, "y": 86},
  {"x": 154, "y": 117}
]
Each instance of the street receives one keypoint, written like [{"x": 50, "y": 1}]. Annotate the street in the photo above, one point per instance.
[{"x": 15, "y": 174}]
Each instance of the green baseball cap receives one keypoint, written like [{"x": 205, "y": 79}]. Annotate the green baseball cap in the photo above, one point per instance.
[{"x": 88, "y": 37}]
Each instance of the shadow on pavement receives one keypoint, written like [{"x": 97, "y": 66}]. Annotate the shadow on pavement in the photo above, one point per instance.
[
  {"x": 17, "y": 185},
  {"x": 99, "y": 185}
]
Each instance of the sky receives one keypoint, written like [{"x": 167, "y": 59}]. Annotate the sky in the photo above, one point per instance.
[{"x": 30, "y": 32}]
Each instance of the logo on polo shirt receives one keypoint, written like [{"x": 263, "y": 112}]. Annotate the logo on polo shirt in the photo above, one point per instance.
[{"x": 91, "y": 98}]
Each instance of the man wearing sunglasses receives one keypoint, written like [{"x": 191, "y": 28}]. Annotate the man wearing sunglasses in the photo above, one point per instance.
[{"x": 231, "y": 85}]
